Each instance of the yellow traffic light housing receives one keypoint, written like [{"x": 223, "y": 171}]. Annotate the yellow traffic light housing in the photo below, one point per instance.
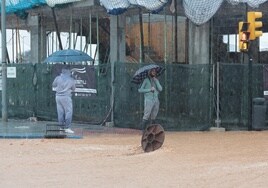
[
  {"x": 254, "y": 25},
  {"x": 243, "y": 36}
]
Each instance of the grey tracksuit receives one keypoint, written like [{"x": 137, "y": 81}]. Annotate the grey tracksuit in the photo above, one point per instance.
[{"x": 64, "y": 84}]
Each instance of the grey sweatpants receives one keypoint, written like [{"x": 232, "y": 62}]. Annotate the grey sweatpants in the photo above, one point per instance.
[
  {"x": 64, "y": 110},
  {"x": 151, "y": 108}
]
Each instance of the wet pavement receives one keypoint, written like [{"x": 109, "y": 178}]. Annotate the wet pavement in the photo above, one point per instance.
[{"x": 28, "y": 129}]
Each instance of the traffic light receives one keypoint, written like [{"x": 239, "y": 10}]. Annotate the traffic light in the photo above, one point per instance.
[
  {"x": 254, "y": 25},
  {"x": 243, "y": 36}
]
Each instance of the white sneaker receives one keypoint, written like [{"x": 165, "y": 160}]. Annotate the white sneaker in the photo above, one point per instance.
[{"x": 69, "y": 131}]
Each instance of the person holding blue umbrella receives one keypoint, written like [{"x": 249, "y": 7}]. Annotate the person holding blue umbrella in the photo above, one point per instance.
[
  {"x": 64, "y": 85},
  {"x": 150, "y": 88}
]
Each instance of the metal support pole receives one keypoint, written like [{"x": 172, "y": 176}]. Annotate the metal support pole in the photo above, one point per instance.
[
  {"x": 57, "y": 29},
  {"x": 113, "y": 58},
  {"x": 176, "y": 31},
  {"x": 81, "y": 33},
  {"x": 218, "y": 120},
  {"x": 90, "y": 34},
  {"x": 249, "y": 92},
  {"x": 71, "y": 29},
  {"x": 142, "y": 55},
  {"x": 4, "y": 65},
  {"x": 165, "y": 60},
  {"x": 98, "y": 41}
]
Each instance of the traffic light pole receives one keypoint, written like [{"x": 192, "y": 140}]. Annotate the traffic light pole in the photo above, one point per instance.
[
  {"x": 249, "y": 87},
  {"x": 249, "y": 31},
  {"x": 249, "y": 91}
]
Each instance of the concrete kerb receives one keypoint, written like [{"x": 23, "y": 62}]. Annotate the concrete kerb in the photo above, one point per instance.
[{"x": 217, "y": 129}]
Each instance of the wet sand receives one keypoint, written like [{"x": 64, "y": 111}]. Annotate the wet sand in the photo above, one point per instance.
[{"x": 186, "y": 159}]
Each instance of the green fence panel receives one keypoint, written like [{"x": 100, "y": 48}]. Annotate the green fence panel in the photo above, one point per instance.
[
  {"x": 30, "y": 94},
  {"x": 182, "y": 105},
  {"x": 187, "y": 98},
  {"x": 20, "y": 103},
  {"x": 234, "y": 109}
]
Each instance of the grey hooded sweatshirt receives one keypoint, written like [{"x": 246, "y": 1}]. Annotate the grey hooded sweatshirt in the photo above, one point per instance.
[{"x": 64, "y": 84}]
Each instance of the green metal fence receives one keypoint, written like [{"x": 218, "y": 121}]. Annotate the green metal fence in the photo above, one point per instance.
[
  {"x": 187, "y": 101},
  {"x": 234, "y": 90}
]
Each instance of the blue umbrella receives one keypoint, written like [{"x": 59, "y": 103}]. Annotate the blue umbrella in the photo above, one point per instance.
[
  {"x": 142, "y": 73},
  {"x": 68, "y": 56}
]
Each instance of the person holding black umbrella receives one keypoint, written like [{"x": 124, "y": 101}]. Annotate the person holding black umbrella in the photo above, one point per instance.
[
  {"x": 64, "y": 85},
  {"x": 150, "y": 88}
]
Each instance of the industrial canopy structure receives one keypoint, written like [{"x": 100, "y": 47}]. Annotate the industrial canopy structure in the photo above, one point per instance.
[
  {"x": 81, "y": 16},
  {"x": 198, "y": 12}
]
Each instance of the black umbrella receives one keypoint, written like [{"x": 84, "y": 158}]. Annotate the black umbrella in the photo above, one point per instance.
[
  {"x": 68, "y": 56},
  {"x": 142, "y": 72}
]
